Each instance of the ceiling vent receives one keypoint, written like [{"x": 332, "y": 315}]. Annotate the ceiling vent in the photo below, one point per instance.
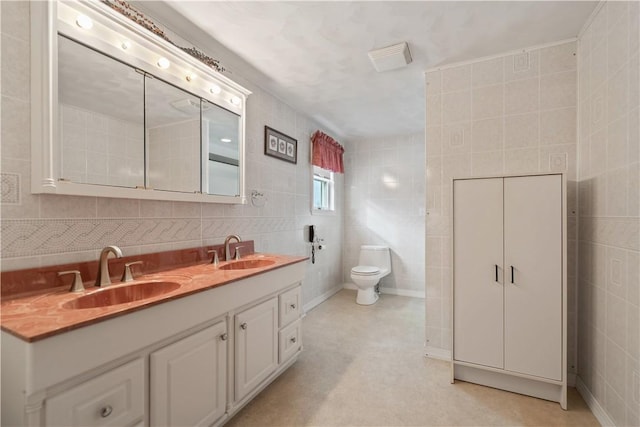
[{"x": 390, "y": 57}]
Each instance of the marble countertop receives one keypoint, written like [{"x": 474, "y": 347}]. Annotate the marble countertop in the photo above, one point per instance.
[{"x": 34, "y": 317}]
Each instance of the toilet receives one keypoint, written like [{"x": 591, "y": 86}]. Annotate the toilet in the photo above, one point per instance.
[{"x": 374, "y": 263}]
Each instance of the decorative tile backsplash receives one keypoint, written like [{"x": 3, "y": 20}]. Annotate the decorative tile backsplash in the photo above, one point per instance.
[
  {"x": 10, "y": 183},
  {"x": 39, "y": 237}
]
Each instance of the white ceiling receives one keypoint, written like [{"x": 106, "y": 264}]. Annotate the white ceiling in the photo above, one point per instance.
[{"x": 313, "y": 55}]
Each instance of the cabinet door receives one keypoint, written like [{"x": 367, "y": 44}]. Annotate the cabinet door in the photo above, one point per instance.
[
  {"x": 533, "y": 296},
  {"x": 256, "y": 338},
  {"x": 477, "y": 245},
  {"x": 188, "y": 379},
  {"x": 115, "y": 398}
]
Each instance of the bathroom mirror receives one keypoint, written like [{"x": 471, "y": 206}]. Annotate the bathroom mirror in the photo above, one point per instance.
[
  {"x": 117, "y": 111},
  {"x": 100, "y": 118},
  {"x": 172, "y": 123},
  {"x": 221, "y": 141}
]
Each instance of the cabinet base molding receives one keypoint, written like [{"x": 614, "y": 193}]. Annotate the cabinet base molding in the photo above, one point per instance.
[{"x": 504, "y": 381}]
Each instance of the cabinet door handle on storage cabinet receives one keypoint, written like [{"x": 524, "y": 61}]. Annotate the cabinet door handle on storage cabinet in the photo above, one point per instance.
[
  {"x": 512, "y": 274},
  {"x": 243, "y": 325},
  {"x": 496, "y": 272}
]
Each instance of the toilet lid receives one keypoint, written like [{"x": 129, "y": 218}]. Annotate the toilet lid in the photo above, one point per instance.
[{"x": 365, "y": 270}]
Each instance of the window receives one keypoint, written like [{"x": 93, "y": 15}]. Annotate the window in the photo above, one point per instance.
[{"x": 322, "y": 189}]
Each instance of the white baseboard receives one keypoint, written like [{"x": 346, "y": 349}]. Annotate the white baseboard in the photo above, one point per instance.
[
  {"x": 391, "y": 291},
  {"x": 598, "y": 411},
  {"x": 403, "y": 292},
  {"x": 437, "y": 353},
  {"x": 321, "y": 298}
]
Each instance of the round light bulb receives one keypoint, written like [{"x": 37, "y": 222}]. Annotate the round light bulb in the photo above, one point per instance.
[
  {"x": 84, "y": 21},
  {"x": 191, "y": 76},
  {"x": 235, "y": 100},
  {"x": 215, "y": 89},
  {"x": 126, "y": 44},
  {"x": 163, "y": 63}
]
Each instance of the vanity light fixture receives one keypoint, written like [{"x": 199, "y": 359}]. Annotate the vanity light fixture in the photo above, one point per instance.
[
  {"x": 126, "y": 44},
  {"x": 235, "y": 100},
  {"x": 163, "y": 63},
  {"x": 83, "y": 21},
  {"x": 225, "y": 140},
  {"x": 215, "y": 89}
]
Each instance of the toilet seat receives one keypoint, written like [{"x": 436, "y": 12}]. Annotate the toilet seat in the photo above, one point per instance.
[{"x": 365, "y": 270}]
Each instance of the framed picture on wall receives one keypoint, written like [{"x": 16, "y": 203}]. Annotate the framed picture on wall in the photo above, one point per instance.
[{"x": 279, "y": 145}]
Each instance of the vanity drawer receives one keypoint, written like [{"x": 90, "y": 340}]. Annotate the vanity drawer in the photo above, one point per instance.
[
  {"x": 289, "y": 309},
  {"x": 115, "y": 398},
  {"x": 290, "y": 341}
]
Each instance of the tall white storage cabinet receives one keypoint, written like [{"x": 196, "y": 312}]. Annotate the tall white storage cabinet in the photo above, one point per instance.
[{"x": 509, "y": 284}]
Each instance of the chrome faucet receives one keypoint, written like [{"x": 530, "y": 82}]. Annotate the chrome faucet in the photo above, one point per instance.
[
  {"x": 227, "y": 252},
  {"x": 103, "y": 279}
]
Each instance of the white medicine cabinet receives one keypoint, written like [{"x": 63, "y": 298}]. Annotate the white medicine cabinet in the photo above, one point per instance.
[{"x": 118, "y": 111}]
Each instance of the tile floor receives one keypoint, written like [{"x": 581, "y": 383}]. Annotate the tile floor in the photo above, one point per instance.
[{"x": 365, "y": 366}]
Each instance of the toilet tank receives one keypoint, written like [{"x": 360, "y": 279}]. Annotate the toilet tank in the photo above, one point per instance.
[{"x": 377, "y": 256}]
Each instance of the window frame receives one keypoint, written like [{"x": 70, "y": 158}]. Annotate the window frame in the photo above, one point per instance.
[{"x": 327, "y": 178}]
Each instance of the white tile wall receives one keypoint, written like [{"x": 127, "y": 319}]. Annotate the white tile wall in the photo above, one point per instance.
[
  {"x": 99, "y": 149},
  {"x": 49, "y": 229},
  {"x": 511, "y": 114},
  {"x": 609, "y": 308},
  {"x": 173, "y": 150},
  {"x": 385, "y": 201}
]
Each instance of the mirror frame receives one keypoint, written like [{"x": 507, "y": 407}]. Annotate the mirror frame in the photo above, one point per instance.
[{"x": 110, "y": 29}]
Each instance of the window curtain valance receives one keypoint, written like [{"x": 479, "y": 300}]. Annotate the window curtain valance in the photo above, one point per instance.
[{"x": 327, "y": 152}]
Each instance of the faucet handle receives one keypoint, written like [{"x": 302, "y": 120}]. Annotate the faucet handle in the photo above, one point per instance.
[
  {"x": 237, "y": 255},
  {"x": 77, "y": 286},
  {"x": 215, "y": 260},
  {"x": 127, "y": 275}
]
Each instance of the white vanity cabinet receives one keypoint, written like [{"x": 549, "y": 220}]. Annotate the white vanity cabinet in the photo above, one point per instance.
[
  {"x": 267, "y": 335},
  {"x": 188, "y": 379},
  {"x": 509, "y": 284},
  {"x": 188, "y": 361}
]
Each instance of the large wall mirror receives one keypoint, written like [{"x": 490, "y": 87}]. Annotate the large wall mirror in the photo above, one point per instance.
[
  {"x": 100, "y": 118},
  {"x": 130, "y": 115}
]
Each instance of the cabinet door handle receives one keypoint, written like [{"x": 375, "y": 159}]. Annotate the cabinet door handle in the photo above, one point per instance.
[
  {"x": 106, "y": 411},
  {"x": 224, "y": 337},
  {"x": 496, "y": 272},
  {"x": 243, "y": 325},
  {"x": 293, "y": 306},
  {"x": 293, "y": 340},
  {"x": 512, "y": 274}
]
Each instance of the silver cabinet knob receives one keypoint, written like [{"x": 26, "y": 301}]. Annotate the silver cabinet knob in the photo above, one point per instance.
[
  {"x": 293, "y": 306},
  {"x": 106, "y": 411},
  {"x": 293, "y": 339},
  {"x": 243, "y": 325},
  {"x": 224, "y": 337}
]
